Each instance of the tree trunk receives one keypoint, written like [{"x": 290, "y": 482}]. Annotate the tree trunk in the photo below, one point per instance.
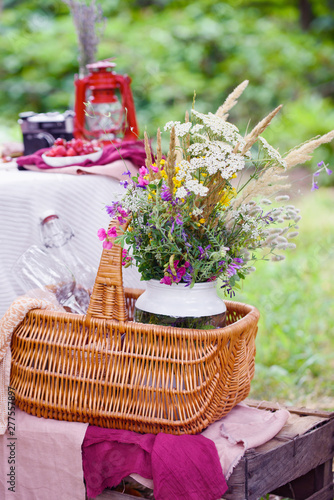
[{"x": 306, "y": 14}]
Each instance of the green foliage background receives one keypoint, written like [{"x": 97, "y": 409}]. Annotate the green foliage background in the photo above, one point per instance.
[{"x": 173, "y": 48}]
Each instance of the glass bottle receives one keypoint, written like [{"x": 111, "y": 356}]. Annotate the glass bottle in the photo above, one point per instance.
[{"x": 57, "y": 237}]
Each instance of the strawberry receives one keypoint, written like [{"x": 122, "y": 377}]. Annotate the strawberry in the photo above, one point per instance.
[
  {"x": 50, "y": 153},
  {"x": 60, "y": 151},
  {"x": 78, "y": 145},
  {"x": 60, "y": 141},
  {"x": 71, "y": 152}
]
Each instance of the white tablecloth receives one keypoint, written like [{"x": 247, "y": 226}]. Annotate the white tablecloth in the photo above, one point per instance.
[{"x": 78, "y": 199}]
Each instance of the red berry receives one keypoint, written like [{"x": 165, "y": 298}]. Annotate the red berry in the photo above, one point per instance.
[
  {"x": 60, "y": 141},
  {"x": 60, "y": 151},
  {"x": 50, "y": 153},
  {"x": 78, "y": 145},
  {"x": 71, "y": 152}
]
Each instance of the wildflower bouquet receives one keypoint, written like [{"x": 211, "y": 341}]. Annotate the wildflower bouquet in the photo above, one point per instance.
[{"x": 206, "y": 211}]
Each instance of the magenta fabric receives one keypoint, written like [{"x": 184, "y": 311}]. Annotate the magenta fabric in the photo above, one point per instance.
[
  {"x": 133, "y": 151},
  {"x": 182, "y": 467}
]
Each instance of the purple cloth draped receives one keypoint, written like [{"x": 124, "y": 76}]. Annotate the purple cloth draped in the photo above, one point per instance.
[
  {"x": 182, "y": 467},
  {"x": 133, "y": 151}
]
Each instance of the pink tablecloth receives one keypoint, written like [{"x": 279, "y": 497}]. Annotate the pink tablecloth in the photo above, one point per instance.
[{"x": 42, "y": 459}]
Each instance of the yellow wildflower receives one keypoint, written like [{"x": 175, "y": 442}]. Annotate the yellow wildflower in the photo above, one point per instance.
[{"x": 201, "y": 221}]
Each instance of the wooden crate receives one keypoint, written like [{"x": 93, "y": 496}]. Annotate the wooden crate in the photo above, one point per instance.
[{"x": 296, "y": 464}]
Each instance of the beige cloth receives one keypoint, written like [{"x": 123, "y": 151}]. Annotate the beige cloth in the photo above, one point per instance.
[{"x": 13, "y": 317}]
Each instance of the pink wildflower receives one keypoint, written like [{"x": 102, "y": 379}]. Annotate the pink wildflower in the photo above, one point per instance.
[
  {"x": 101, "y": 234},
  {"x": 107, "y": 245},
  {"x": 112, "y": 233},
  {"x": 142, "y": 182},
  {"x": 143, "y": 171},
  {"x": 166, "y": 280}
]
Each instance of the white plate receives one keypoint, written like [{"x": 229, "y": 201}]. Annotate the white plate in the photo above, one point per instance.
[{"x": 64, "y": 161}]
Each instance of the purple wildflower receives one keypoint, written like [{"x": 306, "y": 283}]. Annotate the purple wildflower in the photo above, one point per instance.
[
  {"x": 328, "y": 171},
  {"x": 127, "y": 173},
  {"x": 203, "y": 251},
  {"x": 165, "y": 193},
  {"x": 320, "y": 164},
  {"x": 178, "y": 220},
  {"x": 228, "y": 288},
  {"x": 113, "y": 208},
  {"x": 184, "y": 235}
]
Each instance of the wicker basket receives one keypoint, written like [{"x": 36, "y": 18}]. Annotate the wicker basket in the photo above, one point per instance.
[{"x": 104, "y": 369}]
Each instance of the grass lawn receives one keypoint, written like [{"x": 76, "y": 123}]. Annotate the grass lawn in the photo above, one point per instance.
[{"x": 295, "y": 342}]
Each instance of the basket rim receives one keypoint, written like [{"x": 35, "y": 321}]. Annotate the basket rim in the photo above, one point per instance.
[{"x": 252, "y": 316}]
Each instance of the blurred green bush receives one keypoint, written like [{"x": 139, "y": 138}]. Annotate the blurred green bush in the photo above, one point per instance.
[{"x": 173, "y": 48}]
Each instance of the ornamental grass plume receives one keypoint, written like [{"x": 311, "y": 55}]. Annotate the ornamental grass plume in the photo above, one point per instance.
[
  {"x": 213, "y": 206},
  {"x": 89, "y": 24}
]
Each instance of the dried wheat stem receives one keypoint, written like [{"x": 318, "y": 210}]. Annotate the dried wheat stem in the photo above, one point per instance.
[
  {"x": 236, "y": 147},
  {"x": 304, "y": 152},
  {"x": 148, "y": 159},
  {"x": 159, "y": 154},
  {"x": 187, "y": 138},
  {"x": 178, "y": 151},
  {"x": 213, "y": 196},
  {"x": 171, "y": 157},
  {"x": 252, "y": 137},
  {"x": 231, "y": 100}
]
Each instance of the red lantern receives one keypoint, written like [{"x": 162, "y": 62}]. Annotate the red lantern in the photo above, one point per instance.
[{"x": 104, "y": 107}]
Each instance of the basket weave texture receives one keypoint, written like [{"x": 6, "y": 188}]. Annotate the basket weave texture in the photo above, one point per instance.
[{"x": 104, "y": 369}]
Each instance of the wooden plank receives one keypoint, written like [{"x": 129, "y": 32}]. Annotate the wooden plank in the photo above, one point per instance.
[
  {"x": 295, "y": 426},
  {"x": 317, "y": 482},
  {"x": 294, "y": 459},
  {"x": 259, "y": 473},
  {"x": 325, "y": 493},
  {"x": 267, "y": 405}
]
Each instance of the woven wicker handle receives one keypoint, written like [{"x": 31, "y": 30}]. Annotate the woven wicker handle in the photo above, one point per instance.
[{"x": 108, "y": 299}]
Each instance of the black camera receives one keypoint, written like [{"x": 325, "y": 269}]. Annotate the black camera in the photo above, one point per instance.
[{"x": 40, "y": 130}]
